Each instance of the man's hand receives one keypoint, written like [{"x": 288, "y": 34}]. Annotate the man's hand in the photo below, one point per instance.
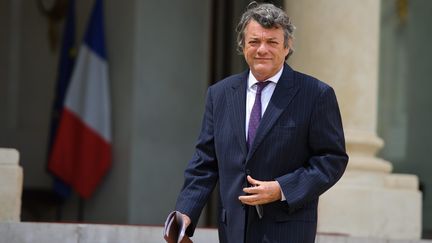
[
  {"x": 186, "y": 220},
  {"x": 261, "y": 192}
]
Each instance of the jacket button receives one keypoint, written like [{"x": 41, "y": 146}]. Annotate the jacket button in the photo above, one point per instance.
[{"x": 248, "y": 172}]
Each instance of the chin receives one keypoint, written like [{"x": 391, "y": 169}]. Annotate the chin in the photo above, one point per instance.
[
  {"x": 261, "y": 68},
  {"x": 262, "y": 71}
]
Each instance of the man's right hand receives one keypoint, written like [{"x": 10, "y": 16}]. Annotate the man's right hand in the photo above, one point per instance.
[{"x": 186, "y": 219}]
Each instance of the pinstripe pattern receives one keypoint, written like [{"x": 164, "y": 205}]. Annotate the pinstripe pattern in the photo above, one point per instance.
[{"x": 299, "y": 143}]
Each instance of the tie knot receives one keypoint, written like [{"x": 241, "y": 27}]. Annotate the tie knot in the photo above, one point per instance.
[{"x": 261, "y": 86}]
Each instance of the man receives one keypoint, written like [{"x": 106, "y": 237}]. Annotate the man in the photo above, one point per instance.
[{"x": 271, "y": 136}]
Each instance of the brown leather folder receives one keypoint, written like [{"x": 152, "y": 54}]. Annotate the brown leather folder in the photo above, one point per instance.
[{"x": 175, "y": 229}]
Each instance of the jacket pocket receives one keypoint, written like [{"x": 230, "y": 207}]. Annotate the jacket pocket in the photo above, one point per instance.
[
  {"x": 287, "y": 123},
  {"x": 307, "y": 213}
]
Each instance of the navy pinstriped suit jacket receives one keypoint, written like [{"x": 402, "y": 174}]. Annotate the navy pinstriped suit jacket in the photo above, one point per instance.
[{"x": 300, "y": 143}]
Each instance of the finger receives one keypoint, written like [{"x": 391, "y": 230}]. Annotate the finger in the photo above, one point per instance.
[
  {"x": 249, "y": 200},
  {"x": 186, "y": 219},
  {"x": 252, "y": 181},
  {"x": 251, "y": 190},
  {"x": 250, "y": 203}
]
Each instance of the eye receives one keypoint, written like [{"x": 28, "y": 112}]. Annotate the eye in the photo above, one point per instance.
[{"x": 253, "y": 42}]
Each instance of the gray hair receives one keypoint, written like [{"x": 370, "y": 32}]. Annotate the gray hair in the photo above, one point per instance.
[{"x": 268, "y": 16}]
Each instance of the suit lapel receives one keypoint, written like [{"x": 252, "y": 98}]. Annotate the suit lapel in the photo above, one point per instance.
[
  {"x": 283, "y": 94},
  {"x": 236, "y": 99}
]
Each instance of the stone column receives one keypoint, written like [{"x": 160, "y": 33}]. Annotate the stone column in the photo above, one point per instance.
[
  {"x": 337, "y": 41},
  {"x": 11, "y": 182}
]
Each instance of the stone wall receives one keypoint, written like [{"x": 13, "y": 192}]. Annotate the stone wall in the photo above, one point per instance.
[{"x": 11, "y": 180}]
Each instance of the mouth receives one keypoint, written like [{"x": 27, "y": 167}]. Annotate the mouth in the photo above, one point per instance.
[{"x": 262, "y": 59}]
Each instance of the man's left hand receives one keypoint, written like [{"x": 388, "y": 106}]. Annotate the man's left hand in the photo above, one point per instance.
[{"x": 261, "y": 192}]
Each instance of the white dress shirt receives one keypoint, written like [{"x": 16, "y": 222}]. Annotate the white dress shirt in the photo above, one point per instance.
[{"x": 266, "y": 95}]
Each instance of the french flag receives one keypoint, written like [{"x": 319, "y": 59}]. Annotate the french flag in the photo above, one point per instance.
[{"x": 81, "y": 153}]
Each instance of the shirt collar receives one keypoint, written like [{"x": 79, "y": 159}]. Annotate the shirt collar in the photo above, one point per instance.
[{"x": 252, "y": 80}]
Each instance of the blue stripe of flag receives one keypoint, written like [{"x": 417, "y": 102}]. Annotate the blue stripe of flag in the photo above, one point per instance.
[{"x": 95, "y": 35}]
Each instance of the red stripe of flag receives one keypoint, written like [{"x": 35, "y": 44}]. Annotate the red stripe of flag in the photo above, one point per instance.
[{"x": 81, "y": 157}]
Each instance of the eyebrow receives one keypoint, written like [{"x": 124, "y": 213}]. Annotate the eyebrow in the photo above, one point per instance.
[{"x": 258, "y": 38}]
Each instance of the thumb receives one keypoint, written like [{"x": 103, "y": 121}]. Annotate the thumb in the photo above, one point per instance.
[
  {"x": 186, "y": 219},
  {"x": 252, "y": 181}
]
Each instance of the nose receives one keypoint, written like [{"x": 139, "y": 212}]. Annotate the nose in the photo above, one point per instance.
[{"x": 262, "y": 49}]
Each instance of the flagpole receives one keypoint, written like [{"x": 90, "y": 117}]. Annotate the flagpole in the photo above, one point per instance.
[{"x": 65, "y": 68}]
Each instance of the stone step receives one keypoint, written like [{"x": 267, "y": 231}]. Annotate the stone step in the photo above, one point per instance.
[{"x": 28, "y": 232}]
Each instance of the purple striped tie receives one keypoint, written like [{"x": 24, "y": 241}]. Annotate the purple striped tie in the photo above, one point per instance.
[{"x": 255, "y": 116}]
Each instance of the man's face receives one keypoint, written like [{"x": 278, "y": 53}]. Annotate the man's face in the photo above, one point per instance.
[{"x": 264, "y": 50}]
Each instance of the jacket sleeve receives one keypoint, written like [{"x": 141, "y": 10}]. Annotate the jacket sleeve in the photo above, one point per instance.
[
  {"x": 328, "y": 158},
  {"x": 201, "y": 174}
]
